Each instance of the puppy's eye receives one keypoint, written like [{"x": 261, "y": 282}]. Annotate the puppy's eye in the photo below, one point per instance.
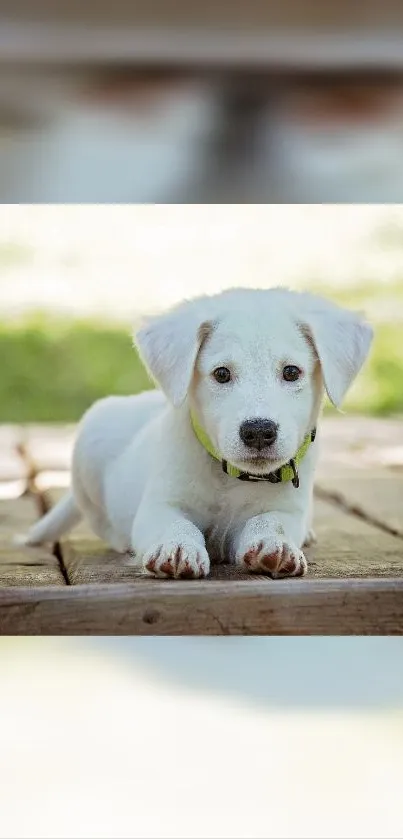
[
  {"x": 222, "y": 375},
  {"x": 291, "y": 373}
]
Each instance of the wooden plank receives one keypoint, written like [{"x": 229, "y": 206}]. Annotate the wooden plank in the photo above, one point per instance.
[
  {"x": 92, "y": 563},
  {"x": 376, "y": 494},
  {"x": 361, "y": 468},
  {"x": 347, "y": 547},
  {"x": 316, "y": 607},
  {"x": 89, "y": 561},
  {"x": 16, "y": 515},
  {"x": 49, "y": 447},
  {"x": 13, "y": 469},
  {"x": 19, "y": 565},
  {"x": 354, "y": 442},
  {"x": 357, "y": 441},
  {"x": 355, "y": 432},
  {"x": 360, "y": 443}
]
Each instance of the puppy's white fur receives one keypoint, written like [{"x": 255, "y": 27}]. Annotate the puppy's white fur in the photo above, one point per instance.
[{"x": 144, "y": 481}]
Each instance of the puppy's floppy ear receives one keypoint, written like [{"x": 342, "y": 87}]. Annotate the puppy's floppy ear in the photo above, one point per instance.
[
  {"x": 169, "y": 345},
  {"x": 341, "y": 339}
]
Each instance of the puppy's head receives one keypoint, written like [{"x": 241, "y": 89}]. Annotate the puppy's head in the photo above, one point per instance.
[{"x": 254, "y": 365}]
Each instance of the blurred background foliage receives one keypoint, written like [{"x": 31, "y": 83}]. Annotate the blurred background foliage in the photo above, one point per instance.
[
  {"x": 56, "y": 363},
  {"x": 53, "y": 369}
]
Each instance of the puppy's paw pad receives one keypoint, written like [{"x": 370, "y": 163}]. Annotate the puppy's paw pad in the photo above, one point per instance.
[
  {"x": 278, "y": 559},
  {"x": 184, "y": 561},
  {"x": 292, "y": 563}
]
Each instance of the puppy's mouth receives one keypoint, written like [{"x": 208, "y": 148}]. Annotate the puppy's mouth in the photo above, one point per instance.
[
  {"x": 259, "y": 463},
  {"x": 258, "y": 460}
]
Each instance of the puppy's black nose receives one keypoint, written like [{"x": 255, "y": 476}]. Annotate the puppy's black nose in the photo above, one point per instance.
[{"x": 258, "y": 433}]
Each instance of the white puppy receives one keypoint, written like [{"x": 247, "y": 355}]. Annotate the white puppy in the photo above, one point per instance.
[{"x": 220, "y": 463}]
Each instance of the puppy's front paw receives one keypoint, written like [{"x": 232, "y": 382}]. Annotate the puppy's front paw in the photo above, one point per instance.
[
  {"x": 274, "y": 557},
  {"x": 186, "y": 560}
]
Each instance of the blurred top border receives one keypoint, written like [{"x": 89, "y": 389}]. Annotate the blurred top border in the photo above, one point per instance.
[{"x": 283, "y": 48}]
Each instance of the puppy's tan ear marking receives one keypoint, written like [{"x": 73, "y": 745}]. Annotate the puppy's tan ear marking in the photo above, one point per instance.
[
  {"x": 341, "y": 340},
  {"x": 169, "y": 345},
  {"x": 203, "y": 332}
]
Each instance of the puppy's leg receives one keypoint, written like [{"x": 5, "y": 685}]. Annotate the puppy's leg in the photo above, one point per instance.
[
  {"x": 309, "y": 535},
  {"x": 310, "y": 538},
  {"x": 269, "y": 544},
  {"x": 167, "y": 544}
]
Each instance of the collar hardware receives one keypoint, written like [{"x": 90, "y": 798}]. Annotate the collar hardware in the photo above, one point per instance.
[{"x": 295, "y": 478}]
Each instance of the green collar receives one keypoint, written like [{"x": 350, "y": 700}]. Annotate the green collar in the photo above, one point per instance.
[{"x": 288, "y": 472}]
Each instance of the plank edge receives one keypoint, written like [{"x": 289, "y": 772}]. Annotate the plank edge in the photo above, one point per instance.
[{"x": 330, "y": 607}]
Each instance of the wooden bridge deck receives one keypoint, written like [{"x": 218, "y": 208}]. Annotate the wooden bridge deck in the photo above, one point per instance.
[{"x": 355, "y": 581}]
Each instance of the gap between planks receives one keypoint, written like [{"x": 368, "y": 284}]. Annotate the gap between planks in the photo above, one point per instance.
[
  {"x": 39, "y": 498},
  {"x": 40, "y": 501},
  {"x": 43, "y": 508},
  {"x": 342, "y": 503},
  {"x": 335, "y": 498}
]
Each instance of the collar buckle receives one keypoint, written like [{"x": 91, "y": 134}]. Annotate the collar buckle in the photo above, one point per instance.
[{"x": 295, "y": 479}]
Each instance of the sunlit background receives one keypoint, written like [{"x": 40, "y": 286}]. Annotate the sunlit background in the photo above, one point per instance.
[
  {"x": 74, "y": 280},
  {"x": 201, "y": 101}
]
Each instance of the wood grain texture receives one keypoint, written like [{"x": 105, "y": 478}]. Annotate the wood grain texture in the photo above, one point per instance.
[
  {"x": 375, "y": 493},
  {"x": 354, "y": 585},
  {"x": 316, "y": 607},
  {"x": 19, "y": 565},
  {"x": 347, "y": 547},
  {"x": 12, "y": 467},
  {"x": 50, "y": 447}
]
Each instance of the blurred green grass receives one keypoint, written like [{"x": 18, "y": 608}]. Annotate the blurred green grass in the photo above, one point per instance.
[{"x": 53, "y": 369}]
